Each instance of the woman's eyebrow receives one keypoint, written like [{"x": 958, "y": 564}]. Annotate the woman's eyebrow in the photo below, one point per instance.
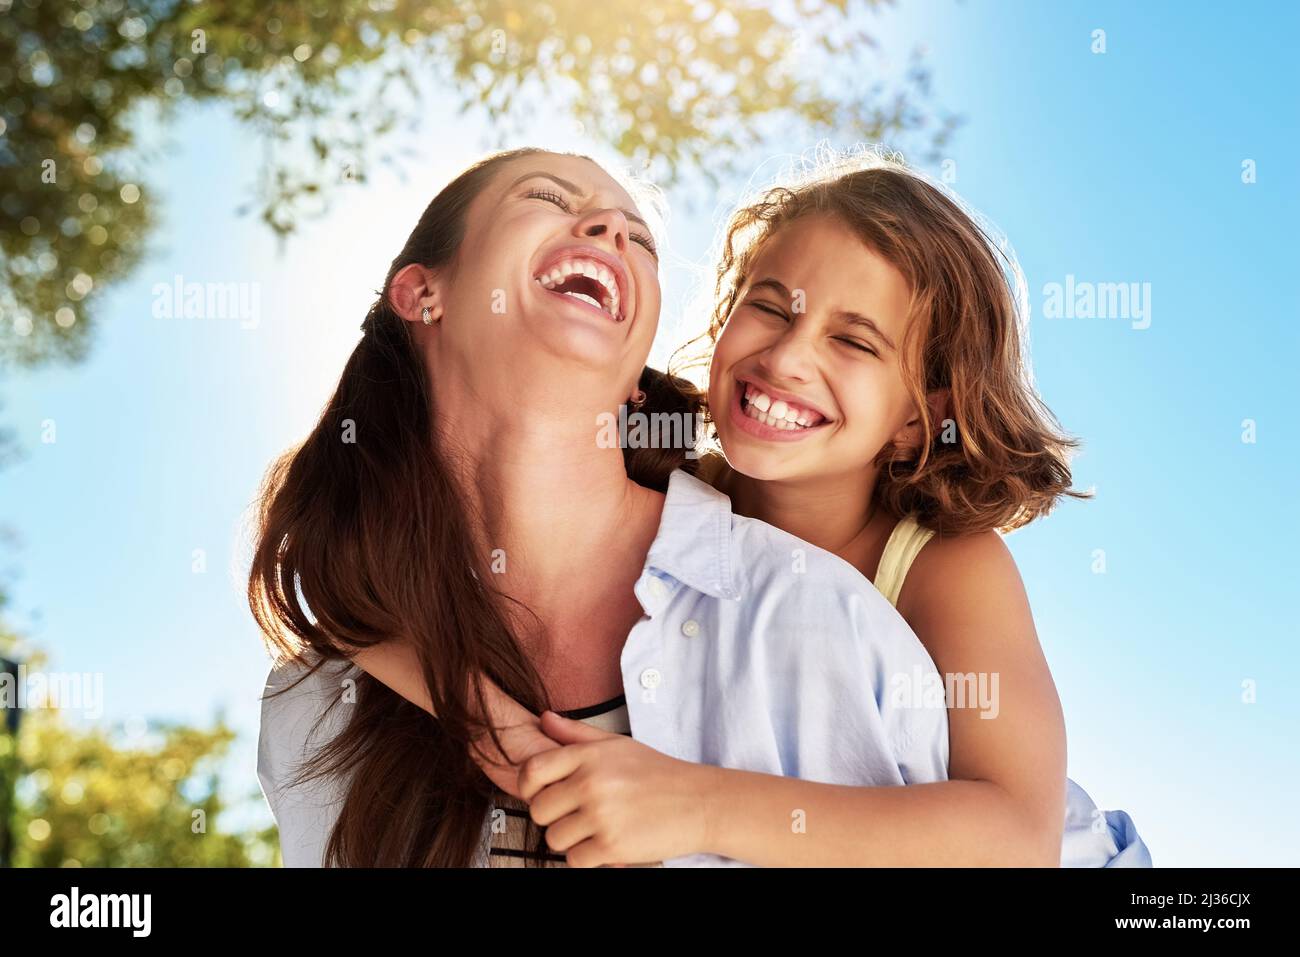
[{"x": 574, "y": 189}]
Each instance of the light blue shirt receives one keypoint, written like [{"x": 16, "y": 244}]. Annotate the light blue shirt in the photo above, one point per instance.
[{"x": 756, "y": 651}]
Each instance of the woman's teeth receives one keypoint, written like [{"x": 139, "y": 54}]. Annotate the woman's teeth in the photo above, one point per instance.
[
  {"x": 601, "y": 291},
  {"x": 775, "y": 413}
]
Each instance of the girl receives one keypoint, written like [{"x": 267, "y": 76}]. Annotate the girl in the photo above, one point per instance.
[{"x": 452, "y": 508}]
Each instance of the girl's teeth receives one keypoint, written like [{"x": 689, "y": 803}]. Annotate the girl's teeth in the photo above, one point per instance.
[
  {"x": 774, "y": 413},
  {"x": 752, "y": 410}
]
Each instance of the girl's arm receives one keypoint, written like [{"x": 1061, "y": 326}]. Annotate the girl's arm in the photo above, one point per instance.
[
  {"x": 395, "y": 664},
  {"x": 616, "y": 801}
]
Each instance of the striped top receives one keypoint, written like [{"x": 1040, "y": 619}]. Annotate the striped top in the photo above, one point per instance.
[{"x": 510, "y": 825}]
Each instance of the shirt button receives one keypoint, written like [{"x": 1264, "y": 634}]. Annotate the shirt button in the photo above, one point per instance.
[
  {"x": 650, "y": 678},
  {"x": 690, "y": 628},
  {"x": 657, "y": 588}
]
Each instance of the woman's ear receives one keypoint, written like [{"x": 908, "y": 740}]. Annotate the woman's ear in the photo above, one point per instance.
[
  {"x": 938, "y": 404},
  {"x": 414, "y": 290}
]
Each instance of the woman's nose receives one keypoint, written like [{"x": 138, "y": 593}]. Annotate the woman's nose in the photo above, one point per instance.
[{"x": 607, "y": 224}]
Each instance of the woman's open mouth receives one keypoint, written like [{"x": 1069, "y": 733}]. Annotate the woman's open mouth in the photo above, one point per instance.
[{"x": 585, "y": 280}]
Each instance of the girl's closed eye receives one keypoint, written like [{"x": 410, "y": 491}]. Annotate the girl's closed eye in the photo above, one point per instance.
[
  {"x": 551, "y": 196},
  {"x": 768, "y": 308},
  {"x": 860, "y": 346}
]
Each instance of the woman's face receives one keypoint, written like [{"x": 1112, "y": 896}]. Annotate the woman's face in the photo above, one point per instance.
[
  {"x": 806, "y": 380},
  {"x": 555, "y": 288}
]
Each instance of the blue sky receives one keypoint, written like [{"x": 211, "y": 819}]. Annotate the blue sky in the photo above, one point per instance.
[{"x": 1122, "y": 167}]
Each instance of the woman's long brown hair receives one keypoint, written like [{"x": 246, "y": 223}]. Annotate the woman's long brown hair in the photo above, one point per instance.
[{"x": 363, "y": 537}]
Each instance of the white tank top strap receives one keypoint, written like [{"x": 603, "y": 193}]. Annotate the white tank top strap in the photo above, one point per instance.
[{"x": 905, "y": 541}]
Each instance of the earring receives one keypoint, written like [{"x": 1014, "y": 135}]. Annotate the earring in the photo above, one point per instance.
[
  {"x": 426, "y": 316},
  {"x": 637, "y": 399}
]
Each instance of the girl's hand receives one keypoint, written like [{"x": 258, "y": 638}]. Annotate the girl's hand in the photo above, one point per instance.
[
  {"x": 521, "y": 736},
  {"x": 606, "y": 799},
  {"x": 397, "y": 665}
]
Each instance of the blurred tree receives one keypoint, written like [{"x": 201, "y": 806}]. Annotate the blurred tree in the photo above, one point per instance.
[
  {"x": 84, "y": 800},
  {"x": 73, "y": 797},
  {"x": 672, "y": 84}
]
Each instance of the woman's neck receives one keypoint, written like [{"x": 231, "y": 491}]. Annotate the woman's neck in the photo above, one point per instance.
[
  {"x": 558, "y": 519},
  {"x": 556, "y": 500}
]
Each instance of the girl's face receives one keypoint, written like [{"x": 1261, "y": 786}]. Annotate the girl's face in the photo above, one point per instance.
[
  {"x": 555, "y": 291},
  {"x": 806, "y": 380}
]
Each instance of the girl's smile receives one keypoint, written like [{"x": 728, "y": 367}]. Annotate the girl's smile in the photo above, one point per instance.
[{"x": 760, "y": 413}]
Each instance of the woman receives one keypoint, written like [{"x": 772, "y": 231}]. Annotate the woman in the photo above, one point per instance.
[{"x": 452, "y": 506}]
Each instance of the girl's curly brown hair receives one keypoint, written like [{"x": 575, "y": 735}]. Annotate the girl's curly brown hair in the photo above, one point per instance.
[{"x": 1008, "y": 461}]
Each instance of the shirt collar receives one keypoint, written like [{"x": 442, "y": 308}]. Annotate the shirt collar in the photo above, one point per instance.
[{"x": 694, "y": 540}]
